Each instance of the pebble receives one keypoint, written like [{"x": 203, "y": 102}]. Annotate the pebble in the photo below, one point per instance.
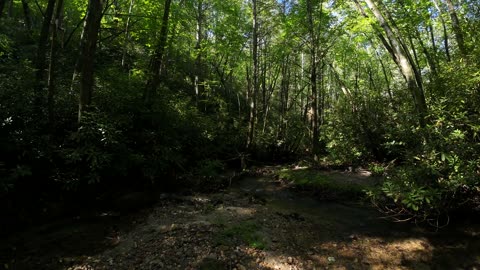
[{"x": 289, "y": 260}]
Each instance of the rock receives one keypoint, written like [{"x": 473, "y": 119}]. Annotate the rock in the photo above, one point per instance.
[{"x": 290, "y": 260}]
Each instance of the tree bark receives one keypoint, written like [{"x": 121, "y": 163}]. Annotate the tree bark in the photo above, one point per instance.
[
  {"x": 444, "y": 28},
  {"x": 27, "y": 14},
  {"x": 255, "y": 85},
  {"x": 313, "y": 78},
  {"x": 284, "y": 96},
  {"x": 56, "y": 26},
  {"x": 430, "y": 60},
  {"x": 198, "y": 78},
  {"x": 87, "y": 54},
  {"x": 2, "y": 6},
  {"x": 127, "y": 33},
  {"x": 40, "y": 63},
  {"x": 156, "y": 62},
  {"x": 405, "y": 62},
  {"x": 457, "y": 29}
]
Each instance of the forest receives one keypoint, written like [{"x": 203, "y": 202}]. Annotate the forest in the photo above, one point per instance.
[{"x": 106, "y": 97}]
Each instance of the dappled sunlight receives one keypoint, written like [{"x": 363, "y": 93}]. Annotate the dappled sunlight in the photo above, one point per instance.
[
  {"x": 244, "y": 212},
  {"x": 399, "y": 252},
  {"x": 81, "y": 267},
  {"x": 284, "y": 231}
]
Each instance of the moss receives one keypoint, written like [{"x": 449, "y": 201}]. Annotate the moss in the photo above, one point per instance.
[
  {"x": 247, "y": 231},
  {"x": 320, "y": 182}
]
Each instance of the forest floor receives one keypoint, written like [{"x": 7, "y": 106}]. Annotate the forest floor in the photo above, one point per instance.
[{"x": 259, "y": 222}]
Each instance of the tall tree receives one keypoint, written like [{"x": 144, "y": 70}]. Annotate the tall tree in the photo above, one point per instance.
[
  {"x": 54, "y": 44},
  {"x": 457, "y": 29},
  {"x": 444, "y": 28},
  {"x": 156, "y": 62},
  {"x": 199, "y": 36},
  {"x": 313, "y": 38},
  {"x": 127, "y": 33},
  {"x": 87, "y": 54},
  {"x": 255, "y": 73},
  {"x": 2, "y": 6},
  {"x": 40, "y": 63},
  {"x": 27, "y": 14},
  {"x": 400, "y": 54}
]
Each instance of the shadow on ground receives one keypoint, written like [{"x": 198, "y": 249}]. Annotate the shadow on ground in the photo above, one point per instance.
[{"x": 258, "y": 223}]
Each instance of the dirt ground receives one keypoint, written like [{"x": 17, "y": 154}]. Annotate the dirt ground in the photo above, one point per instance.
[{"x": 257, "y": 223}]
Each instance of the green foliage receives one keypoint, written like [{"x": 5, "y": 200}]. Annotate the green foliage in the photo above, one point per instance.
[
  {"x": 366, "y": 113},
  {"x": 210, "y": 168},
  {"x": 404, "y": 190},
  {"x": 5, "y": 46},
  {"x": 377, "y": 169},
  {"x": 94, "y": 150}
]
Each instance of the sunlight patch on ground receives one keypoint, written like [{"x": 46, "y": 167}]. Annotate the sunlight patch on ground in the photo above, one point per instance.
[{"x": 373, "y": 253}]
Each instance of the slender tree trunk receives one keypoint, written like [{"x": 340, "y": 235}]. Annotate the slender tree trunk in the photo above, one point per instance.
[
  {"x": 28, "y": 15},
  {"x": 444, "y": 28},
  {"x": 457, "y": 29},
  {"x": 255, "y": 85},
  {"x": 405, "y": 62},
  {"x": 432, "y": 36},
  {"x": 56, "y": 26},
  {"x": 10, "y": 8},
  {"x": 414, "y": 51},
  {"x": 430, "y": 60},
  {"x": 313, "y": 78},
  {"x": 284, "y": 93},
  {"x": 40, "y": 62},
  {"x": 87, "y": 54},
  {"x": 156, "y": 62},
  {"x": 198, "y": 78},
  {"x": 387, "y": 81},
  {"x": 2, "y": 7},
  {"x": 127, "y": 33}
]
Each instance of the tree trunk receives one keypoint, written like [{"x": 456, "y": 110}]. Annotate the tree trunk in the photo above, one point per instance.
[
  {"x": 444, "y": 28},
  {"x": 156, "y": 62},
  {"x": 405, "y": 62},
  {"x": 87, "y": 54},
  {"x": 255, "y": 86},
  {"x": 28, "y": 15},
  {"x": 10, "y": 8},
  {"x": 430, "y": 60},
  {"x": 198, "y": 78},
  {"x": 2, "y": 7},
  {"x": 284, "y": 93},
  {"x": 127, "y": 33},
  {"x": 457, "y": 29},
  {"x": 56, "y": 26},
  {"x": 313, "y": 78},
  {"x": 40, "y": 63},
  {"x": 387, "y": 81}
]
